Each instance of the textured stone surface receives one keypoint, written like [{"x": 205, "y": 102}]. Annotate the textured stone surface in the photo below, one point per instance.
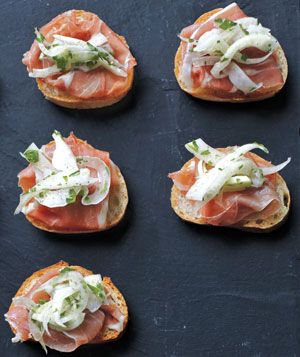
[{"x": 192, "y": 291}]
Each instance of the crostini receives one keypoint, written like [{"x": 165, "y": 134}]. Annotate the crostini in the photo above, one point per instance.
[
  {"x": 70, "y": 187},
  {"x": 228, "y": 57},
  {"x": 79, "y": 62},
  {"x": 63, "y": 307},
  {"x": 230, "y": 187}
]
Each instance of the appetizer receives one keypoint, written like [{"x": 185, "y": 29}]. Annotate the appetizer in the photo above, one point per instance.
[
  {"x": 227, "y": 56},
  {"x": 79, "y": 62},
  {"x": 63, "y": 307},
  {"x": 70, "y": 187},
  {"x": 230, "y": 187}
]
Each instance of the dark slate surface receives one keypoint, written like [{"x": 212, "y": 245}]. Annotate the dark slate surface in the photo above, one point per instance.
[{"x": 192, "y": 291}]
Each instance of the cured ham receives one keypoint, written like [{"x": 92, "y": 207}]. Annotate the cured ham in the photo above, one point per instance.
[
  {"x": 82, "y": 82},
  {"x": 243, "y": 75},
  {"x": 75, "y": 216}
]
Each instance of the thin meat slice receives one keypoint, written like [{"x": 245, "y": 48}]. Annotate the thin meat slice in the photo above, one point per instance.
[
  {"x": 232, "y": 13},
  {"x": 68, "y": 341},
  {"x": 18, "y": 314},
  {"x": 185, "y": 178},
  {"x": 228, "y": 209},
  {"x": 97, "y": 83}
]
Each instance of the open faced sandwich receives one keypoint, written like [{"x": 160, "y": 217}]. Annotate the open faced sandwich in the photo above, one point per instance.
[
  {"x": 63, "y": 307},
  {"x": 230, "y": 187},
  {"x": 79, "y": 62},
  {"x": 70, "y": 187},
  {"x": 229, "y": 57}
]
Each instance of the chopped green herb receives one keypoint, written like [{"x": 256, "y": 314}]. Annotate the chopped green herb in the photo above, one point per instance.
[
  {"x": 61, "y": 62},
  {"x": 205, "y": 152},
  {"x": 225, "y": 24},
  {"x": 72, "y": 196},
  {"x": 191, "y": 40},
  {"x": 65, "y": 178},
  {"x": 244, "y": 30},
  {"x": 42, "y": 301},
  {"x": 220, "y": 168},
  {"x": 32, "y": 156},
  {"x": 76, "y": 173},
  {"x": 224, "y": 59},
  {"x": 244, "y": 57},
  {"x": 97, "y": 290},
  {"x": 66, "y": 270},
  {"x": 194, "y": 146},
  {"x": 40, "y": 37},
  {"x": 218, "y": 53},
  {"x": 240, "y": 167},
  {"x": 252, "y": 89}
]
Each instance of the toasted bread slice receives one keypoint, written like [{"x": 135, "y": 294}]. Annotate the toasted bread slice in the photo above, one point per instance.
[
  {"x": 221, "y": 95},
  {"x": 185, "y": 210},
  {"x": 63, "y": 99},
  {"x": 118, "y": 201},
  {"x": 108, "y": 335}
]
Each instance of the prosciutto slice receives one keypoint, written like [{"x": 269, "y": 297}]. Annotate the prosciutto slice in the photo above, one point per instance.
[
  {"x": 18, "y": 314},
  {"x": 70, "y": 340},
  {"x": 98, "y": 83}
]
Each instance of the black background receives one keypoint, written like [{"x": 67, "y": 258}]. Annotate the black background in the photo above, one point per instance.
[{"x": 192, "y": 291}]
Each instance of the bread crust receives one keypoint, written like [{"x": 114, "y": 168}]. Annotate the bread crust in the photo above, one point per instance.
[
  {"x": 108, "y": 335},
  {"x": 118, "y": 201},
  {"x": 221, "y": 95},
  {"x": 179, "y": 204},
  {"x": 63, "y": 99}
]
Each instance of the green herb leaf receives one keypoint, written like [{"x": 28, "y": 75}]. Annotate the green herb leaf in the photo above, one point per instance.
[
  {"x": 98, "y": 290},
  {"x": 42, "y": 301},
  {"x": 61, "y": 62},
  {"x": 40, "y": 37},
  {"x": 225, "y": 24},
  {"x": 244, "y": 57},
  {"x": 72, "y": 196},
  {"x": 76, "y": 173},
  {"x": 224, "y": 59},
  {"x": 244, "y": 30},
  {"x": 194, "y": 146},
  {"x": 218, "y": 53},
  {"x": 205, "y": 152},
  {"x": 66, "y": 270},
  {"x": 32, "y": 156}
]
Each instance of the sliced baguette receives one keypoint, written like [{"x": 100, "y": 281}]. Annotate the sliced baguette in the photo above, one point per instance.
[
  {"x": 221, "y": 95},
  {"x": 186, "y": 211},
  {"x": 118, "y": 201},
  {"x": 108, "y": 335}
]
